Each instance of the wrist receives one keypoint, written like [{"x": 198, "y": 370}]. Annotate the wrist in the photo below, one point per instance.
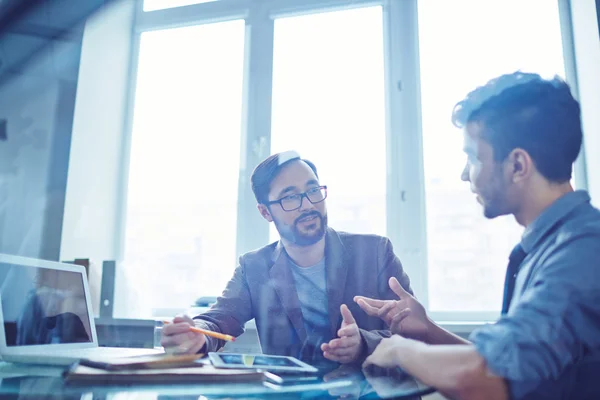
[
  {"x": 398, "y": 353},
  {"x": 402, "y": 348},
  {"x": 361, "y": 352},
  {"x": 430, "y": 332}
]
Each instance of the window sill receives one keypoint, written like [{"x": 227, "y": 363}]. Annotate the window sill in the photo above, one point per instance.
[{"x": 460, "y": 328}]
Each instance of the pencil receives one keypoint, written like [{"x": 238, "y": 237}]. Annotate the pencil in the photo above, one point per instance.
[{"x": 217, "y": 335}]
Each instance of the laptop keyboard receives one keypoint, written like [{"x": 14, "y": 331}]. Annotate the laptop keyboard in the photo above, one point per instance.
[{"x": 111, "y": 352}]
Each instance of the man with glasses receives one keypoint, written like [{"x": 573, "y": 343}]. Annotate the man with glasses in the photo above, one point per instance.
[{"x": 300, "y": 289}]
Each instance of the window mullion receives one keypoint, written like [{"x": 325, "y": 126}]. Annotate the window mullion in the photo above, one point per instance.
[
  {"x": 253, "y": 231},
  {"x": 405, "y": 194}
]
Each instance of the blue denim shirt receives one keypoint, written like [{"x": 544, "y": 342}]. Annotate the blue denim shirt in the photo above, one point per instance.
[{"x": 548, "y": 344}]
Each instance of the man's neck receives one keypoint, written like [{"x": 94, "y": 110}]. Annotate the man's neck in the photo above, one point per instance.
[
  {"x": 537, "y": 200},
  {"x": 306, "y": 256}
]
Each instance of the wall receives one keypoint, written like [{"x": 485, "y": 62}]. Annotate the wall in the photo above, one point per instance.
[
  {"x": 38, "y": 105},
  {"x": 95, "y": 165}
]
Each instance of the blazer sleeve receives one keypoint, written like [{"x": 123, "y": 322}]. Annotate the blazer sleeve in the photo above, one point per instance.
[
  {"x": 231, "y": 311},
  {"x": 390, "y": 266}
]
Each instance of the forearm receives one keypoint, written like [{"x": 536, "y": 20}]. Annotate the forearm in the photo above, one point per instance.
[
  {"x": 417, "y": 359},
  {"x": 212, "y": 344},
  {"x": 459, "y": 372},
  {"x": 230, "y": 313},
  {"x": 438, "y": 335}
]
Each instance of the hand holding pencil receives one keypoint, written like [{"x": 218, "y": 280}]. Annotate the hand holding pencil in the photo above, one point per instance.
[
  {"x": 177, "y": 337},
  {"x": 182, "y": 336},
  {"x": 218, "y": 335}
]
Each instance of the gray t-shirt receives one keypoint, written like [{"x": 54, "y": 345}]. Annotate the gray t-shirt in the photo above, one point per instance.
[{"x": 311, "y": 285}]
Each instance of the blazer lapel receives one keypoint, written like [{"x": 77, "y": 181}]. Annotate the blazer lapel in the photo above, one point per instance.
[
  {"x": 285, "y": 286},
  {"x": 336, "y": 278}
]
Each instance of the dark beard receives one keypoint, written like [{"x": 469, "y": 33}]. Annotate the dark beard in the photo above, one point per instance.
[{"x": 294, "y": 236}]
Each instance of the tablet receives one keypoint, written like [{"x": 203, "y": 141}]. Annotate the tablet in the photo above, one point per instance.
[{"x": 260, "y": 361}]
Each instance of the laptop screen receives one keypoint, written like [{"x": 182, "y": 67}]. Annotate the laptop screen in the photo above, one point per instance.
[{"x": 43, "y": 306}]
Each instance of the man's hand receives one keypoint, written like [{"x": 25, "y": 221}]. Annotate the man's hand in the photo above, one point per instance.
[
  {"x": 348, "y": 346},
  {"x": 177, "y": 338},
  {"x": 406, "y": 316},
  {"x": 385, "y": 354}
]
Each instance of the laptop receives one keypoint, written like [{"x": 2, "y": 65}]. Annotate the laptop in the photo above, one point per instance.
[{"x": 46, "y": 315}]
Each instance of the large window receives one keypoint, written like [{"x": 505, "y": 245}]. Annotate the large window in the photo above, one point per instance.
[
  {"x": 464, "y": 43},
  {"x": 185, "y": 157},
  {"x": 328, "y": 104},
  {"x": 153, "y": 5},
  {"x": 344, "y": 84}
]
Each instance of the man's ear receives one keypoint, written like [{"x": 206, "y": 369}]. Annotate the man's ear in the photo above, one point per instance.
[
  {"x": 520, "y": 165},
  {"x": 264, "y": 211}
]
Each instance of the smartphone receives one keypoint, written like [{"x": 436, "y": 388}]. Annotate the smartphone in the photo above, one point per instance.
[{"x": 291, "y": 379}]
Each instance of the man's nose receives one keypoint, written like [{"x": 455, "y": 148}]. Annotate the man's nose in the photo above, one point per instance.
[
  {"x": 305, "y": 204},
  {"x": 464, "y": 176}
]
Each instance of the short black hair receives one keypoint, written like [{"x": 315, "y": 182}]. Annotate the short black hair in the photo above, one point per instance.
[
  {"x": 523, "y": 110},
  {"x": 266, "y": 171}
]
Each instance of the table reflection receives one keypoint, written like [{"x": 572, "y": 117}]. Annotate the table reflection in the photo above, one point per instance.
[{"x": 342, "y": 383}]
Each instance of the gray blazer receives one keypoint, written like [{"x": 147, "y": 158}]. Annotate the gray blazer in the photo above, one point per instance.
[{"x": 263, "y": 288}]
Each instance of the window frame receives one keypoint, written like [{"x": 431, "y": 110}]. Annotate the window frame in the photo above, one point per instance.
[{"x": 405, "y": 198}]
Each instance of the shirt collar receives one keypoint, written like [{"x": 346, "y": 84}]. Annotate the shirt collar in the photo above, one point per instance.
[{"x": 552, "y": 215}]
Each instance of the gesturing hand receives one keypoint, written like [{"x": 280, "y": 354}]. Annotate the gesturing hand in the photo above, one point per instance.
[
  {"x": 348, "y": 346},
  {"x": 406, "y": 316}
]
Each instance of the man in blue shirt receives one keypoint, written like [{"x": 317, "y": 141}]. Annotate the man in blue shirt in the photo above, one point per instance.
[{"x": 521, "y": 136}]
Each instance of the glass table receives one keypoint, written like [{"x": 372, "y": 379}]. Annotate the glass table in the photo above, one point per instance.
[{"x": 30, "y": 382}]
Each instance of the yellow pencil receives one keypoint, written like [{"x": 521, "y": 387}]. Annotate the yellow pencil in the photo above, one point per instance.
[{"x": 217, "y": 335}]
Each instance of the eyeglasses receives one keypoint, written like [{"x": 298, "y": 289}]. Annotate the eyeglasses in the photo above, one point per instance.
[{"x": 294, "y": 201}]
